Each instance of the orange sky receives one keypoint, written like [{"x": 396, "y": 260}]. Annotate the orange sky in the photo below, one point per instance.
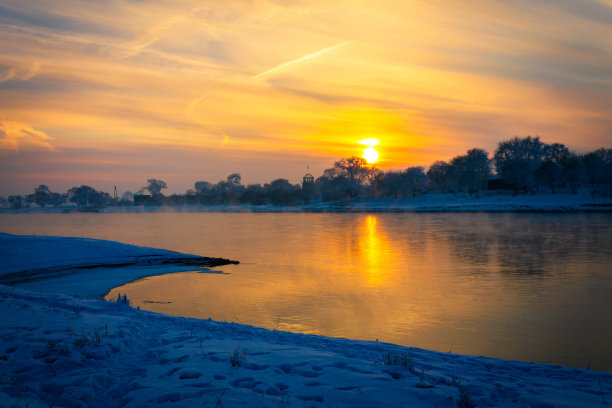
[{"x": 115, "y": 92}]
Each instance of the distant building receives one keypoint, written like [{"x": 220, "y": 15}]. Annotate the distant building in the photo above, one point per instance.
[{"x": 307, "y": 179}]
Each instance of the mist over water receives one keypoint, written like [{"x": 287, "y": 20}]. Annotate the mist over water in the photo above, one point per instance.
[{"x": 532, "y": 287}]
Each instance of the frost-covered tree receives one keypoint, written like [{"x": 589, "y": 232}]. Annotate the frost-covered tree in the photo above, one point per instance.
[
  {"x": 549, "y": 173},
  {"x": 333, "y": 188},
  {"x": 598, "y": 166},
  {"x": 413, "y": 181},
  {"x": 471, "y": 170},
  {"x": 556, "y": 153},
  {"x": 517, "y": 159},
  {"x": 394, "y": 184},
  {"x": 441, "y": 177}
]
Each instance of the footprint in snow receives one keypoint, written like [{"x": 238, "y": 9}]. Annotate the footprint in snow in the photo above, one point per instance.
[{"x": 189, "y": 374}]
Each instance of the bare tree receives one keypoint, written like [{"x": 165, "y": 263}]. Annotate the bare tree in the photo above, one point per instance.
[{"x": 155, "y": 186}]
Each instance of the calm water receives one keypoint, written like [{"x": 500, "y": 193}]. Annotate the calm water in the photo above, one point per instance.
[{"x": 532, "y": 287}]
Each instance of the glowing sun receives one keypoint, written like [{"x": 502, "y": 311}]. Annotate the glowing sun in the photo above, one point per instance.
[{"x": 370, "y": 154}]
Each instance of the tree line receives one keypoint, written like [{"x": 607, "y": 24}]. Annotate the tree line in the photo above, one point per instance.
[{"x": 520, "y": 164}]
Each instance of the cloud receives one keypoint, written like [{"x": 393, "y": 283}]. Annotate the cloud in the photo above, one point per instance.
[
  {"x": 19, "y": 73},
  {"x": 16, "y": 136}
]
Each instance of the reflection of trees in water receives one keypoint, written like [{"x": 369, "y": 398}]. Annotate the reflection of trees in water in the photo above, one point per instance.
[
  {"x": 469, "y": 238},
  {"x": 523, "y": 244},
  {"x": 544, "y": 243}
]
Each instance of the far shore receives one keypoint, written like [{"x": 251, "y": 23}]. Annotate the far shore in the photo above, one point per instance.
[{"x": 482, "y": 202}]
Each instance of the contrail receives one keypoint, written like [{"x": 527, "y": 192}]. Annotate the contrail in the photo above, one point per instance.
[
  {"x": 300, "y": 60},
  {"x": 281, "y": 67}
]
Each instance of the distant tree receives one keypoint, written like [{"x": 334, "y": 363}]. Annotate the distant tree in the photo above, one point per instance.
[
  {"x": 58, "y": 199},
  {"x": 549, "y": 172},
  {"x": 471, "y": 170},
  {"x": 3, "y": 202},
  {"x": 333, "y": 188},
  {"x": 281, "y": 192},
  {"x": 355, "y": 170},
  {"x": 381, "y": 182},
  {"x": 177, "y": 199},
  {"x": 517, "y": 159},
  {"x": 573, "y": 173},
  {"x": 126, "y": 199},
  {"x": 42, "y": 196},
  {"x": 155, "y": 186},
  {"x": 16, "y": 201},
  {"x": 440, "y": 176},
  {"x": 556, "y": 153},
  {"x": 226, "y": 191},
  {"x": 254, "y": 194},
  {"x": 234, "y": 179},
  {"x": 88, "y": 196},
  {"x": 598, "y": 166},
  {"x": 413, "y": 181},
  {"x": 202, "y": 186}
]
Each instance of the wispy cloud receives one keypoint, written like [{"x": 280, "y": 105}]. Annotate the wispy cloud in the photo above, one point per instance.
[
  {"x": 19, "y": 73},
  {"x": 15, "y": 136}
]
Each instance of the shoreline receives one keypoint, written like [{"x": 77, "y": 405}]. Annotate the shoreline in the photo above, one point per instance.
[{"x": 537, "y": 203}]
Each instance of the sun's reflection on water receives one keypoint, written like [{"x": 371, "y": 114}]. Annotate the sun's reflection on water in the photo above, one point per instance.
[{"x": 376, "y": 253}]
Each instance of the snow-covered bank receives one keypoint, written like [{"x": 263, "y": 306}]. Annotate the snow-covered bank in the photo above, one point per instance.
[
  {"x": 66, "y": 351},
  {"x": 72, "y": 352},
  {"x": 75, "y": 262},
  {"x": 489, "y": 202}
]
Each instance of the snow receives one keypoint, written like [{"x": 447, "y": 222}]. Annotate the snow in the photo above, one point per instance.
[{"x": 72, "y": 351}]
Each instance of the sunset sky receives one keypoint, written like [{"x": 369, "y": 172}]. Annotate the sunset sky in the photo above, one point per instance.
[{"x": 115, "y": 92}]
